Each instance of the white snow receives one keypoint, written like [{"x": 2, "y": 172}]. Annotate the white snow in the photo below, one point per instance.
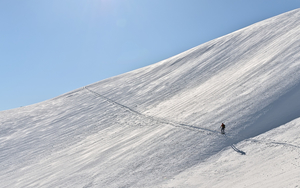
[{"x": 158, "y": 126}]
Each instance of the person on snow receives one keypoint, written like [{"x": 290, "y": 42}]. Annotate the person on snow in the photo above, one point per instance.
[{"x": 222, "y": 128}]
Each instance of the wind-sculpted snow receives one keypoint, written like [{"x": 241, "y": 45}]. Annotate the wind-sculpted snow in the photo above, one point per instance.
[{"x": 159, "y": 125}]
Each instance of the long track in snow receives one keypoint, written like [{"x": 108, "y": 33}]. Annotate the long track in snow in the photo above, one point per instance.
[{"x": 172, "y": 123}]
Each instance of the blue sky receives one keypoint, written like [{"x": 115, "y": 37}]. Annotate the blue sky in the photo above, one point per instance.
[{"x": 48, "y": 48}]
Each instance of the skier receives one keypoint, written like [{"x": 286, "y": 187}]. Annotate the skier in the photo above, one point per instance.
[{"x": 222, "y": 128}]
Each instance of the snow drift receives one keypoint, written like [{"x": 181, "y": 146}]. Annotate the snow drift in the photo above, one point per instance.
[{"x": 149, "y": 126}]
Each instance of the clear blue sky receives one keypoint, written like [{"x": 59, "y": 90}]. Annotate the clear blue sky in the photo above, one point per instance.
[{"x": 48, "y": 48}]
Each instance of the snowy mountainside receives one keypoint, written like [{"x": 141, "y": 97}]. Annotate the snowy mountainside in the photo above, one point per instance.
[
  {"x": 258, "y": 62},
  {"x": 153, "y": 126}
]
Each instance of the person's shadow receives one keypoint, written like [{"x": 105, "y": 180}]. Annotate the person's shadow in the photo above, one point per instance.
[{"x": 237, "y": 150}]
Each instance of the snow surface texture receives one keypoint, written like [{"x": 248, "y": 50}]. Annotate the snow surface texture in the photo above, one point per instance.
[{"x": 158, "y": 126}]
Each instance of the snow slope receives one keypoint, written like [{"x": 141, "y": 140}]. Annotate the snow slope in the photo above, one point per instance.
[
  {"x": 272, "y": 160},
  {"x": 158, "y": 126}
]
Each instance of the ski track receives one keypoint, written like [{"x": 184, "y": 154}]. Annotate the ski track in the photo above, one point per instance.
[
  {"x": 272, "y": 143},
  {"x": 172, "y": 123}
]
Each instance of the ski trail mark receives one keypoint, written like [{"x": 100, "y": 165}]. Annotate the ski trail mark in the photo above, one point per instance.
[
  {"x": 161, "y": 120},
  {"x": 113, "y": 102},
  {"x": 272, "y": 142}
]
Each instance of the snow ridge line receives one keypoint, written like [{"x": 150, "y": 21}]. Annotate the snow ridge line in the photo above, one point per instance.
[{"x": 174, "y": 124}]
